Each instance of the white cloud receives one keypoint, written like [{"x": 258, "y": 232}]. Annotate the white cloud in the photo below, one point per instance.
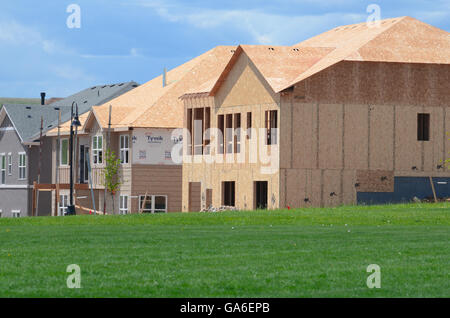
[
  {"x": 41, "y": 54},
  {"x": 14, "y": 33},
  {"x": 71, "y": 73},
  {"x": 263, "y": 27},
  {"x": 134, "y": 52}
]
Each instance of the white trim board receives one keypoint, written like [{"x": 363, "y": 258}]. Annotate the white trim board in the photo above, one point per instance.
[{"x": 15, "y": 186}]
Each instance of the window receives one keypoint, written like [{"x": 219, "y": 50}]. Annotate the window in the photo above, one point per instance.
[
  {"x": 153, "y": 203},
  {"x": 145, "y": 203},
  {"x": 22, "y": 166},
  {"x": 160, "y": 204},
  {"x": 423, "y": 127},
  {"x": 237, "y": 133},
  {"x": 15, "y": 213},
  {"x": 1, "y": 213},
  {"x": 220, "y": 138},
  {"x": 3, "y": 168},
  {"x": 97, "y": 149},
  {"x": 198, "y": 123},
  {"x": 198, "y": 131},
  {"x": 249, "y": 125},
  {"x": 207, "y": 126},
  {"x": 124, "y": 149},
  {"x": 64, "y": 152},
  {"x": 229, "y": 133},
  {"x": 62, "y": 204},
  {"x": 9, "y": 164},
  {"x": 271, "y": 120},
  {"x": 123, "y": 204},
  {"x": 189, "y": 128},
  {"x": 228, "y": 193}
]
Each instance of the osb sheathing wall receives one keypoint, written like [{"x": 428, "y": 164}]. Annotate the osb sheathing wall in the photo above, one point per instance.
[
  {"x": 353, "y": 128},
  {"x": 243, "y": 91}
]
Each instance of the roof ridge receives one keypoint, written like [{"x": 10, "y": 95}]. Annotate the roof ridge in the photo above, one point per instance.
[
  {"x": 135, "y": 114},
  {"x": 342, "y": 47},
  {"x": 182, "y": 77},
  {"x": 365, "y": 22}
]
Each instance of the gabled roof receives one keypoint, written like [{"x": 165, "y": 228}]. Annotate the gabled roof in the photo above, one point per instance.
[
  {"x": 152, "y": 105},
  {"x": 279, "y": 65},
  {"x": 401, "y": 40},
  {"x": 86, "y": 99},
  {"x": 96, "y": 95},
  {"x": 26, "y": 119}
]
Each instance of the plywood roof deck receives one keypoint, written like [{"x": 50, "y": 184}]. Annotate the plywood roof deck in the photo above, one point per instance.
[{"x": 152, "y": 105}]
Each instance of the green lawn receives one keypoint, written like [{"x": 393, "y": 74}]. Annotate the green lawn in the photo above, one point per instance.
[
  {"x": 25, "y": 101},
  {"x": 300, "y": 253}
]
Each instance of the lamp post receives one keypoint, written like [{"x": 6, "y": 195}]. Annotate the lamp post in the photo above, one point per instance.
[{"x": 74, "y": 121}]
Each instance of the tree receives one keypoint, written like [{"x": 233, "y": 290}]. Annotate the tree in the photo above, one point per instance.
[{"x": 111, "y": 173}]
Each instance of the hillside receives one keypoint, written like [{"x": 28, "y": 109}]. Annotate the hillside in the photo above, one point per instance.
[{"x": 27, "y": 101}]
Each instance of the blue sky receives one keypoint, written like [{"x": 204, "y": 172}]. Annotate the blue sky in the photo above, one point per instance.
[{"x": 123, "y": 40}]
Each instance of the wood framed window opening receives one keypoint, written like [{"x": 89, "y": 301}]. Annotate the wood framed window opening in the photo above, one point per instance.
[
  {"x": 229, "y": 133},
  {"x": 237, "y": 133},
  {"x": 423, "y": 127},
  {"x": 198, "y": 131},
  {"x": 221, "y": 138},
  {"x": 249, "y": 125},
  {"x": 271, "y": 125},
  {"x": 206, "y": 132},
  {"x": 190, "y": 138}
]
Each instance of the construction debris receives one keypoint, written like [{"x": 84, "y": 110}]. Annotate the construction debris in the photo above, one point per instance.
[{"x": 219, "y": 209}]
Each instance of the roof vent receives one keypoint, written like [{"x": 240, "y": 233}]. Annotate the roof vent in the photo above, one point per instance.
[
  {"x": 29, "y": 116},
  {"x": 28, "y": 107},
  {"x": 296, "y": 49},
  {"x": 232, "y": 51},
  {"x": 112, "y": 85},
  {"x": 104, "y": 86},
  {"x": 121, "y": 84},
  {"x": 56, "y": 108},
  {"x": 135, "y": 85},
  {"x": 85, "y": 102},
  {"x": 49, "y": 126},
  {"x": 271, "y": 49},
  {"x": 94, "y": 87},
  {"x": 164, "y": 78}
]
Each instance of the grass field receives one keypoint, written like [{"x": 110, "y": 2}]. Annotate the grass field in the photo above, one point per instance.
[
  {"x": 297, "y": 253},
  {"x": 26, "y": 101}
]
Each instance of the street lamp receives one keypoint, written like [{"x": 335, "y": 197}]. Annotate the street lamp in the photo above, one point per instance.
[{"x": 74, "y": 121}]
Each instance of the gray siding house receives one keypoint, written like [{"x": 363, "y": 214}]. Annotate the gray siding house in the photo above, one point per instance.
[
  {"x": 20, "y": 127},
  {"x": 19, "y": 157}
]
